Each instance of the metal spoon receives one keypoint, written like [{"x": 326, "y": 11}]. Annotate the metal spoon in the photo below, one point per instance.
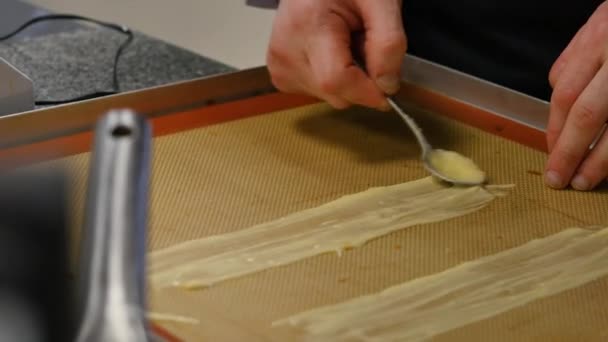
[{"x": 427, "y": 149}]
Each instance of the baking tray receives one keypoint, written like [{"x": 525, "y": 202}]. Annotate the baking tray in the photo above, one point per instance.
[
  {"x": 230, "y": 152},
  {"x": 446, "y": 91}
]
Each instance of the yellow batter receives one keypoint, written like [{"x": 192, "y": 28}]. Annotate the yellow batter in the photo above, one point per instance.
[
  {"x": 473, "y": 291},
  {"x": 344, "y": 223},
  {"x": 456, "y": 167},
  {"x": 165, "y": 317}
]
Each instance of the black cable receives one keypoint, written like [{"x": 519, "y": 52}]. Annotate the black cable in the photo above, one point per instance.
[{"x": 121, "y": 48}]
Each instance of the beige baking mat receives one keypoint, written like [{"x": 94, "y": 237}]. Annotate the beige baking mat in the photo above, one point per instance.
[{"x": 230, "y": 176}]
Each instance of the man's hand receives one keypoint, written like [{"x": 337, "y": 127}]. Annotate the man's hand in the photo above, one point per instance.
[
  {"x": 311, "y": 50},
  {"x": 579, "y": 108}
]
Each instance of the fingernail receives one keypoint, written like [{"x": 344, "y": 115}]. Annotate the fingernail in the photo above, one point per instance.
[
  {"x": 580, "y": 183},
  {"x": 553, "y": 179},
  {"x": 388, "y": 83}
]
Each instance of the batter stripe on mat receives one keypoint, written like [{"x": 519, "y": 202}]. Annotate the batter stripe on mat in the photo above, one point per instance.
[
  {"x": 347, "y": 222},
  {"x": 476, "y": 290}
]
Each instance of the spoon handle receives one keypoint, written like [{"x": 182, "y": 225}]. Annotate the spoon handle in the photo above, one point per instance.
[{"x": 424, "y": 144}]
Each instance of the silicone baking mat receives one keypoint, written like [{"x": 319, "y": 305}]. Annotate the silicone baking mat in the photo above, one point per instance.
[{"x": 232, "y": 175}]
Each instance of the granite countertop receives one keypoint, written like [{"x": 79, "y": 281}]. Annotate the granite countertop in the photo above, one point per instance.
[{"x": 67, "y": 59}]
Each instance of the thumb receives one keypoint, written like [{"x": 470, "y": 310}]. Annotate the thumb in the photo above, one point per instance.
[{"x": 384, "y": 43}]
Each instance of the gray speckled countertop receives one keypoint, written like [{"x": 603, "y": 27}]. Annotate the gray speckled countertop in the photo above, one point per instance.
[{"x": 79, "y": 60}]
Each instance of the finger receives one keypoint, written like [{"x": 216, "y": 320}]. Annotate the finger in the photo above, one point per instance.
[
  {"x": 596, "y": 21},
  {"x": 285, "y": 56},
  {"x": 285, "y": 79},
  {"x": 586, "y": 119},
  {"x": 561, "y": 62},
  {"x": 334, "y": 101},
  {"x": 310, "y": 82},
  {"x": 293, "y": 80},
  {"x": 298, "y": 80},
  {"x": 385, "y": 42},
  {"x": 572, "y": 81},
  {"x": 333, "y": 68},
  {"x": 595, "y": 168}
]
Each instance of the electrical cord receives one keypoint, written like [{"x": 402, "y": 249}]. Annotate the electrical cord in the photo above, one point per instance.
[{"x": 115, "y": 82}]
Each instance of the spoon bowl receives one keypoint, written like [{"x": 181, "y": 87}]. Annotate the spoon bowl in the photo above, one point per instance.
[{"x": 448, "y": 166}]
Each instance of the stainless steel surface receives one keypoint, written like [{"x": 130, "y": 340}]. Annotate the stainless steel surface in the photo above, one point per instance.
[
  {"x": 16, "y": 90},
  {"x": 476, "y": 92},
  {"x": 41, "y": 124},
  {"x": 112, "y": 297}
]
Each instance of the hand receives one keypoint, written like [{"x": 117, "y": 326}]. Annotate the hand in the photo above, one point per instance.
[
  {"x": 311, "y": 52},
  {"x": 579, "y": 108}
]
